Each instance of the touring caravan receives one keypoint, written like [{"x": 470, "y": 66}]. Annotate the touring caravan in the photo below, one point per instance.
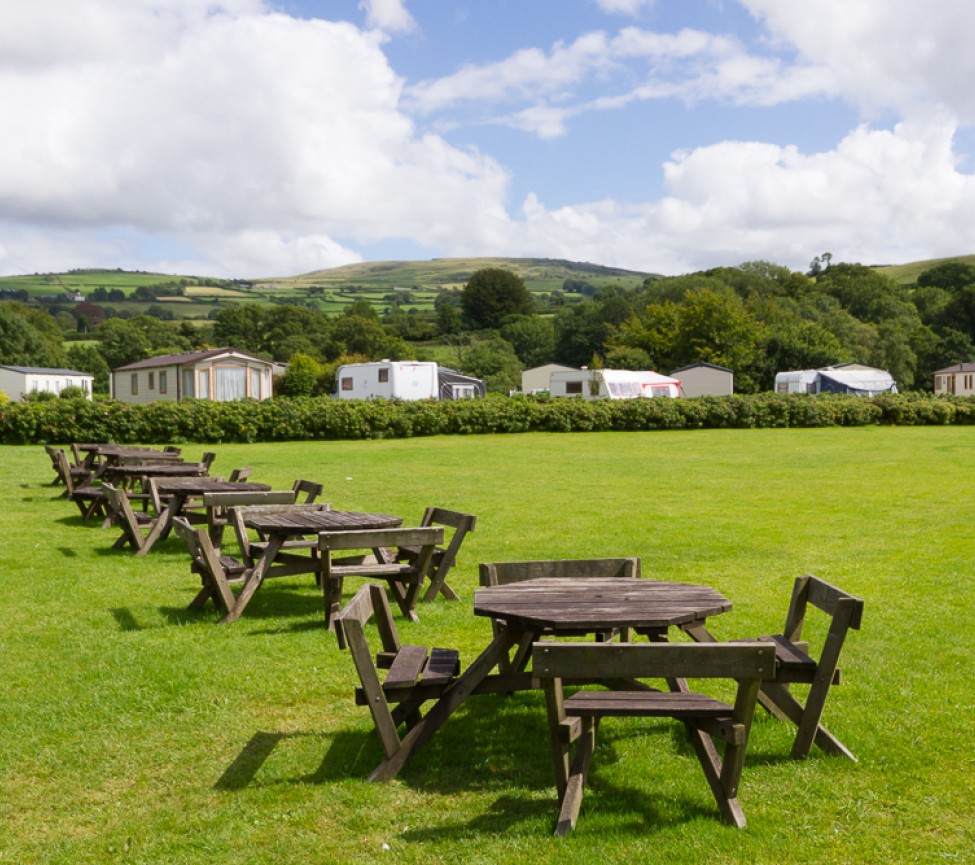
[
  {"x": 405, "y": 379},
  {"x": 612, "y": 384}
]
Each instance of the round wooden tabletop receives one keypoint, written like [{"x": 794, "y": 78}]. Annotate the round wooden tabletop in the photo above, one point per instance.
[{"x": 596, "y": 604}]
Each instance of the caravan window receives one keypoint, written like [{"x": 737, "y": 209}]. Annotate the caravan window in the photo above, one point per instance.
[
  {"x": 573, "y": 387},
  {"x": 347, "y": 383},
  {"x": 231, "y": 382},
  {"x": 384, "y": 374}
]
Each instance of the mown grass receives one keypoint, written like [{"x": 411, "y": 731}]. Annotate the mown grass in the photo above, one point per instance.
[{"x": 137, "y": 731}]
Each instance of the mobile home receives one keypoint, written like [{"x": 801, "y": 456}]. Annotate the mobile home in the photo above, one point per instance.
[{"x": 15, "y": 381}]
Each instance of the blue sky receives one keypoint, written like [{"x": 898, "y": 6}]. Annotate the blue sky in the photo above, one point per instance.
[{"x": 249, "y": 138}]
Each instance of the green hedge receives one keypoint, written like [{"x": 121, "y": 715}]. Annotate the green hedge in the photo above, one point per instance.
[{"x": 325, "y": 418}]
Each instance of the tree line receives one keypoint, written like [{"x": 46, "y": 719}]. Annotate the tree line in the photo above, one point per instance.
[{"x": 757, "y": 319}]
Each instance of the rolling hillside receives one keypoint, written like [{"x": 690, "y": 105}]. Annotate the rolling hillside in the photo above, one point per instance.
[{"x": 409, "y": 284}]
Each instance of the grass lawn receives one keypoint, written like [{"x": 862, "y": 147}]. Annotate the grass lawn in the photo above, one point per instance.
[{"x": 137, "y": 731}]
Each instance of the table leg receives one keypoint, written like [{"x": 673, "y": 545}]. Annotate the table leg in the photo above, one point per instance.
[
  {"x": 458, "y": 691},
  {"x": 163, "y": 525},
  {"x": 253, "y": 582}
]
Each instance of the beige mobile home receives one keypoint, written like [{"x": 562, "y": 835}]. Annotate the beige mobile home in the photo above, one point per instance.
[
  {"x": 705, "y": 379},
  {"x": 958, "y": 380},
  {"x": 220, "y": 374}
]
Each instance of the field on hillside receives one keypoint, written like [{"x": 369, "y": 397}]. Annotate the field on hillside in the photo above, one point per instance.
[
  {"x": 412, "y": 285},
  {"x": 907, "y": 274},
  {"x": 136, "y": 730}
]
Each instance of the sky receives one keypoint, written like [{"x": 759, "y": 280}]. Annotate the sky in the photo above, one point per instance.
[{"x": 257, "y": 138}]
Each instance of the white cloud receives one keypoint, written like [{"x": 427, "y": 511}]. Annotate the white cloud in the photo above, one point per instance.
[
  {"x": 690, "y": 65},
  {"x": 388, "y": 15},
  {"x": 868, "y": 200},
  {"x": 224, "y": 127},
  {"x": 624, "y": 7},
  {"x": 905, "y": 55},
  {"x": 227, "y": 139}
]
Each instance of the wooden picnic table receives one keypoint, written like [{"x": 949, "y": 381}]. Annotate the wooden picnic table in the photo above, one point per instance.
[
  {"x": 126, "y": 474},
  {"x": 557, "y": 606},
  {"x": 279, "y": 524},
  {"x": 178, "y": 490},
  {"x": 97, "y": 452}
]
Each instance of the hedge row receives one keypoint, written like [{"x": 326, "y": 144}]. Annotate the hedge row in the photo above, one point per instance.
[{"x": 326, "y": 418}]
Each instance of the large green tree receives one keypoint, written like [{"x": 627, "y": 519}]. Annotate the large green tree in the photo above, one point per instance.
[
  {"x": 494, "y": 360},
  {"x": 532, "y": 337},
  {"x": 23, "y": 343},
  {"x": 87, "y": 358},
  {"x": 492, "y": 294}
]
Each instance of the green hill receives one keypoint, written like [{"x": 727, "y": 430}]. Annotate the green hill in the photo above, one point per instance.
[
  {"x": 410, "y": 284},
  {"x": 907, "y": 274}
]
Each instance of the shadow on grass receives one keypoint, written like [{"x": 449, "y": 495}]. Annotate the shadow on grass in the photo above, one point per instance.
[
  {"x": 496, "y": 744},
  {"x": 77, "y": 520},
  {"x": 126, "y": 621}
]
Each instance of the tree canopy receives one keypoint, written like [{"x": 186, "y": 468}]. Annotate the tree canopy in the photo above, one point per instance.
[{"x": 492, "y": 294}]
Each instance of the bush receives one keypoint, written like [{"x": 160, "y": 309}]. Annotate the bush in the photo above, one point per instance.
[
  {"x": 306, "y": 418},
  {"x": 38, "y": 396}
]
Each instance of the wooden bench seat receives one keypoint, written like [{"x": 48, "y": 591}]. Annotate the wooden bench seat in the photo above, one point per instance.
[
  {"x": 89, "y": 498},
  {"x": 576, "y": 718},
  {"x": 414, "y": 674},
  {"x": 796, "y": 665}
]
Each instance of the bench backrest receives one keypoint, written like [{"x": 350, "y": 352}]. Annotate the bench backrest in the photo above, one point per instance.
[
  {"x": 503, "y": 573},
  {"x": 370, "y": 602},
  {"x": 460, "y": 522},
  {"x": 237, "y": 499},
  {"x": 371, "y": 538},
  {"x": 309, "y": 489}
]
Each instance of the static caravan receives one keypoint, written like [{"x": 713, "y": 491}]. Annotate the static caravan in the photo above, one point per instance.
[
  {"x": 612, "y": 384},
  {"x": 220, "y": 374},
  {"x": 404, "y": 379},
  {"x": 15, "y": 381},
  {"x": 705, "y": 379}
]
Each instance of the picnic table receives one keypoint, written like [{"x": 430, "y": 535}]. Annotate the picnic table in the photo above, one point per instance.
[
  {"x": 178, "y": 490},
  {"x": 557, "y": 606},
  {"x": 279, "y": 524},
  {"x": 125, "y": 474},
  {"x": 112, "y": 454}
]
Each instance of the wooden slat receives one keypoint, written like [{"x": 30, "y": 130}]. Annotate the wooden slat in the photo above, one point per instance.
[
  {"x": 442, "y": 666},
  {"x": 407, "y": 667},
  {"x": 382, "y": 537},
  {"x": 646, "y": 704},
  {"x": 653, "y": 660}
]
